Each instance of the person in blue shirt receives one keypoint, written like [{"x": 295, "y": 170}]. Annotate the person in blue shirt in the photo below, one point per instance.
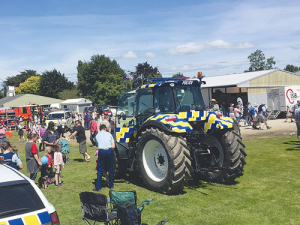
[
  {"x": 106, "y": 144},
  {"x": 11, "y": 158}
]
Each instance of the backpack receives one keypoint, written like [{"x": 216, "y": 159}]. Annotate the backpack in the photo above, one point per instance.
[
  {"x": 129, "y": 216},
  {"x": 252, "y": 111},
  {"x": 260, "y": 108}
]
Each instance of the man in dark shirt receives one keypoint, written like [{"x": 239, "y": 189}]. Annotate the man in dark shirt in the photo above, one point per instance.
[
  {"x": 51, "y": 137},
  {"x": 79, "y": 131}
]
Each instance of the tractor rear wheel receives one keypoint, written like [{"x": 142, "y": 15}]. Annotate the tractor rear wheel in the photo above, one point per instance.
[
  {"x": 227, "y": 157},
  {"x": 163, "y": 161}
]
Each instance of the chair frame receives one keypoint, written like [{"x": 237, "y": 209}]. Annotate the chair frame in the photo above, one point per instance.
[{"x": 107, "y": 210}]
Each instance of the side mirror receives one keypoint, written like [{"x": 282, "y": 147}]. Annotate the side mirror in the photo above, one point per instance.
[{"x": 124, "y": 117}]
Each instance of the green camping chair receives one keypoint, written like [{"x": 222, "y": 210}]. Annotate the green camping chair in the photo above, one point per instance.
[{"x": 126, "y": 199}]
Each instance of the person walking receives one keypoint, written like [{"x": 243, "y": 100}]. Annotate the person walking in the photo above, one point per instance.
[
  {"x": 106, "y": 144},
  {"x": 106, "y": 122},
  {"x": 262, "y": 116},
  {"x": 289, "y": 113},
  {"x": 60, "y": 127},
  {"x": 79, "y": 132},
  {"x": 94, "y": 132},
  {"x": 297, "y": 119},
  {"x": 237, "y": 113}
]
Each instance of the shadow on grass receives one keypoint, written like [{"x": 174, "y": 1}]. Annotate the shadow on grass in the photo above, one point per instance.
[
  {"x": 78, "y": 160},
  {"x": 295, "y": 145}
]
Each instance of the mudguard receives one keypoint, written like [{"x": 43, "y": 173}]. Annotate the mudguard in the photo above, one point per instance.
[{"x": 179, "y": 124}]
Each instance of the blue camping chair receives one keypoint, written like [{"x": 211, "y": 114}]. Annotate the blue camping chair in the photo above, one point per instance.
[{"x": 65, "y": 150}]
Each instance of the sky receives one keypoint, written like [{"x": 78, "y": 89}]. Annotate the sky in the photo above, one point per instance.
[{"x": 215, "y": 37}]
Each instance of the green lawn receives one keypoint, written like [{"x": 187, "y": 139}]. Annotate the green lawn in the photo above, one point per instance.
[{"x": 268, "y": 193}]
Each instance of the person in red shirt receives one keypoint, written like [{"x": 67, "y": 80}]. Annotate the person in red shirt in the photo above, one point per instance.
[
  {"x": 32, "y": 156},
  {"x": 94, "y": 132}
]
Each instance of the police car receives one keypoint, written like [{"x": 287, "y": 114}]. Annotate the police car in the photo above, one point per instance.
[{"x": 21, "y": 201}]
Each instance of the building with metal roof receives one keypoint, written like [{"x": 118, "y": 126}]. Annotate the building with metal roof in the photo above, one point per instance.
[
  {"x": 251, "y": 86},
  {"x": 27, "y": 99},
  {"x": 77, "y": 104}
]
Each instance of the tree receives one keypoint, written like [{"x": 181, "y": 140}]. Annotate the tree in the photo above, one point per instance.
[
  {"x": 178, "y": 75},
  {"x": 257, "y": 61},
  {"x": 31, "y": 86},
  {"x": 144, "y": 72},
  {"x": 18, "y": 79},
  {"x": 53, "y": 82},
  {"x": 291, "y": 68},
  {"x": 67, "y": 94},
  {"x": 270, "y": 63},
  {"x": 100, "y": 79}
]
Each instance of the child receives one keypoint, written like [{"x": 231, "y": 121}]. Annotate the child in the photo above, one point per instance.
[
  {"x": 58, "y": 164},
  {"x": 15, "y": 150},
  {"x": 21, "y": 132},
  {"x": 104, "y": 172},
  {"x": 49, "y": 163},
  {"x": 43, "y": 181}
]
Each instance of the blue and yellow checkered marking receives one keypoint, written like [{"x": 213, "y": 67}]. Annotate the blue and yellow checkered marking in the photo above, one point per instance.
[
  {"x": 213, "y": 122},
  {"x": 180, "y": 125},
  {"x": 151, "y": 85},
  {"x": 123, "y": 134},
  {"x": 35, "y": 219}
]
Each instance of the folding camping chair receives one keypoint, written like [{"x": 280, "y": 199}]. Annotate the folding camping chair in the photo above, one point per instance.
[
  {"x": 94, "y": 207},
  {"x": 65, "y": 150},
  {"x": 126, "y": 199}
]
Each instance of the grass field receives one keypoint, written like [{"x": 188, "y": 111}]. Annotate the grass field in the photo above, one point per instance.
[{"x": 268, "y": 193}]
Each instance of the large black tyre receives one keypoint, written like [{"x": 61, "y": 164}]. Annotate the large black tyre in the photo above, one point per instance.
[
  {"x": 120, "y": 167},
  {"x": 228, "y": 157},
  {"x": 163, "y": 160}
]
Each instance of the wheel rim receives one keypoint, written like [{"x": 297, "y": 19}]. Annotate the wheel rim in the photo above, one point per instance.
[{"x": 155, "y": 160}]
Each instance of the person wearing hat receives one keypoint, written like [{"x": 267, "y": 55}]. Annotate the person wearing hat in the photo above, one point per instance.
[{"x": 214, "y": 106}]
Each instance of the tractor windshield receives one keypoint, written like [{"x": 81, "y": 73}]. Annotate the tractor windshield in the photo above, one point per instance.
[{"x": 188, "y": 98}]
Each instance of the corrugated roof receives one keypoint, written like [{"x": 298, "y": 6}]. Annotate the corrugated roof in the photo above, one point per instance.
[
  {"x": 76, "y": 101},
  {"x": 233, "y": 79},
  {"x": 25, "y": 99}
]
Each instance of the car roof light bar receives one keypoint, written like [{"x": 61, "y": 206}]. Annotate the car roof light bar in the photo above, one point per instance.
[{"x": 168, "y": 79}]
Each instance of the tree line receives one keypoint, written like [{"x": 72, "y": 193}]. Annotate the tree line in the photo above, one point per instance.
[{"x": 101, "y": 79}]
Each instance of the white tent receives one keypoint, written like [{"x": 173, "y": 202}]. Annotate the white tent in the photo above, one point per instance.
[{"x": 77, "y": 104}]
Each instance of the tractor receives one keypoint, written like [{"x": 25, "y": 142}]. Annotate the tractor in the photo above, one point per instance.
[{"x": 168, "y": 137}]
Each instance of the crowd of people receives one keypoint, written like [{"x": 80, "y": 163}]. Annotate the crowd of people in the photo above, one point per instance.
[
  {"x": 40, "y": 138},
  {"x": 255, "y": 116}
]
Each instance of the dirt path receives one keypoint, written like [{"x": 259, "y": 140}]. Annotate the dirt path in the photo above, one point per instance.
[{"x": 279, "y": 128}]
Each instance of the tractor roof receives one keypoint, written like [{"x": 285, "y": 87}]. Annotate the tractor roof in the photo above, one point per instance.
[{"x": 183, "y": 81}]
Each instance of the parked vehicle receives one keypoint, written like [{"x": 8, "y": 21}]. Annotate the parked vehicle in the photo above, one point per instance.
[
  {"x": 56, "y": 115},
  {"x": 22, "y": 202},
  {"x": 168, "y": 136}
]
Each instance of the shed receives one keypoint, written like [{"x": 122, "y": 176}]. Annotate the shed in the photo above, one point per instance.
[
  {"x": 251, "y": 86},
  {"x": 77, "y": 104},
  {"x": 26, "y": 99}
]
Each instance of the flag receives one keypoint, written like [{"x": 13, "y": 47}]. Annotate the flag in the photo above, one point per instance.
[{"x": 126, "y": 78}]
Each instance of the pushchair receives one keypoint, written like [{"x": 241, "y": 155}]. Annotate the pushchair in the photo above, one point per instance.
[{"x": 65, "y": 150}]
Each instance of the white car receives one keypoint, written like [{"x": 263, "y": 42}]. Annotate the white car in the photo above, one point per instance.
[
  {"x": 121, "y": 111},
  {"x": 56, "y": 115},
  {"x": 21, "y": 201}
]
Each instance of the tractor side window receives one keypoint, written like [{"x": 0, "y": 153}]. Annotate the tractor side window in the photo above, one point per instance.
[
  {"x": 145, "y": 104},
  {"x": 163, "y": 99}
]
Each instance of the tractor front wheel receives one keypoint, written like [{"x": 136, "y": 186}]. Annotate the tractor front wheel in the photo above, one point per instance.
[{"x": 163, "y": 160}]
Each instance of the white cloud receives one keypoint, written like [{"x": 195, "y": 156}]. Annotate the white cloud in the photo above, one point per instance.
[
  {"x": 194, "y": 48},
  {"x": 228, "y": 45},
  {"x": 130, "y": 55},
  {"x": 189, "y": 48},
  {"x": 150, "y": 55}
]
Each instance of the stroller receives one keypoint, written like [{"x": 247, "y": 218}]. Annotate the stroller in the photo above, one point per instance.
[{"x": 65, "y": 150}]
